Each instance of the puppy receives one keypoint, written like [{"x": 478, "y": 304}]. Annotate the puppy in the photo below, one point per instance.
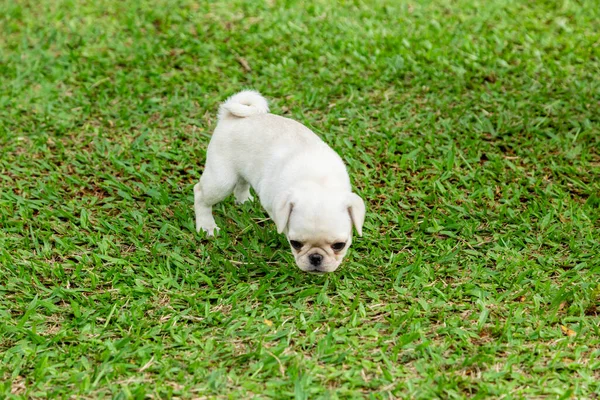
[{"x": 300, "y": 181}]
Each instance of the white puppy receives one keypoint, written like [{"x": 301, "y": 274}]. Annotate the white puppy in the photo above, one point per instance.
[{"x": 301, "y": 182}]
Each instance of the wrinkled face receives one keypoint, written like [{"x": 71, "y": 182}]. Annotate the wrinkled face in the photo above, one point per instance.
[
  {"x": 319, "y": 234},
  {"x": 320, "y": 256},
  {"x": 318, "y": 225}
]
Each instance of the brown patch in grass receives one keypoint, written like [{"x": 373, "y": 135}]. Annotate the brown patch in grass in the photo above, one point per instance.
[{"x": 18, "y": 386}]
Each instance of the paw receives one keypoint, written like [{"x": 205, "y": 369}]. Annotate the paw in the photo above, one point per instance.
[
  {"x": 243, "y": 197},
  {"x": 210, "y": 228},
  {"x": 211, "y": 231}
]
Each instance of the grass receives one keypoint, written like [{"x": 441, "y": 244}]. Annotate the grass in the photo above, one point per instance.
[{"x": 470, "y": 127}]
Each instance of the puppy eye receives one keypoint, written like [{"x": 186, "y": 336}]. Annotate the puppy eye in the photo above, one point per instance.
[
  {"x": 338, "y": 246},
  {"x": 295, "y": 244}
]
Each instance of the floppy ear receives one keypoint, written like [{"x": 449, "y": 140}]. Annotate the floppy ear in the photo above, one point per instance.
[
  {"x": 356, "y": 209},
  {"x": 284, "y": 205}
]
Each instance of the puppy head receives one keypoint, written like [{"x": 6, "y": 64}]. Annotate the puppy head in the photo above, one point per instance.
[{"x": 318, "y": 226}]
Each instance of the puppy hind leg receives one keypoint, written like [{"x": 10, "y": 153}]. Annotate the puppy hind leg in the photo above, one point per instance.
[
  {"x": 212, "y": 188},
  {"x": 242, "y": 191}
]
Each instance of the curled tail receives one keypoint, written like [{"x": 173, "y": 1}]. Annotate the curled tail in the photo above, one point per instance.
[{"x": 244, "y": 104}]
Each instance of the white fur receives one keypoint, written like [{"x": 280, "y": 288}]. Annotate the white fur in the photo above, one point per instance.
[
  {"x": 300, "y": 181},
  {"x": 244, "y": 104}
]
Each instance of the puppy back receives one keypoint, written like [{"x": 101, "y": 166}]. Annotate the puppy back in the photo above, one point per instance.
[{"x": 244, "y": 104}]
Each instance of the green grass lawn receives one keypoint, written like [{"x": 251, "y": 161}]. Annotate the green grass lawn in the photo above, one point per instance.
[{"x": 471, "y": 128}]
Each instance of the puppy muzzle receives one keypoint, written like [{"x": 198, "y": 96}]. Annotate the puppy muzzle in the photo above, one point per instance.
[{"x": 315, "y": 259}]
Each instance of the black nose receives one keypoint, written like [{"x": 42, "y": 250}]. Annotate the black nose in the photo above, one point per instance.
[{"x": 315, "y": 259}]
